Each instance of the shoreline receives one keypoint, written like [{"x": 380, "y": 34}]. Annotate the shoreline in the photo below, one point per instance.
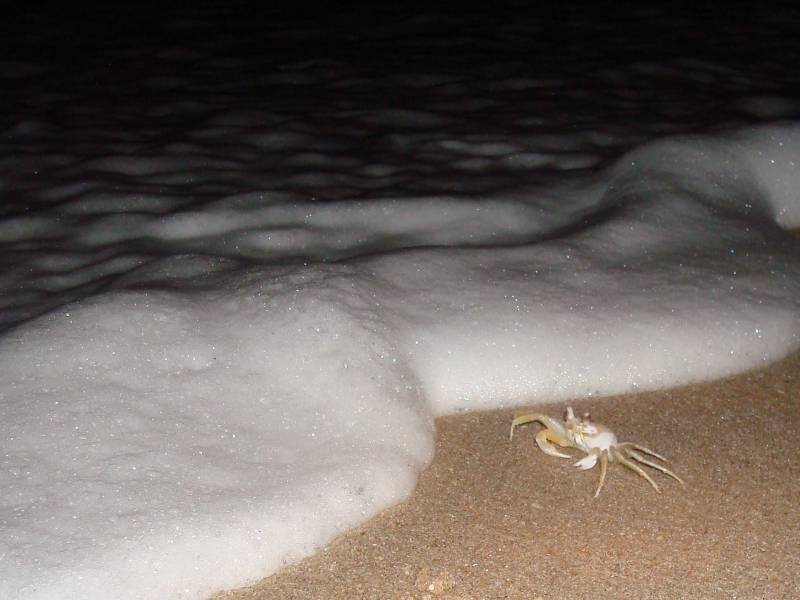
[{"x": 489, "y": 519}]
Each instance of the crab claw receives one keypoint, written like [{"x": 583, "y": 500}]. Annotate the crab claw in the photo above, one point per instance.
[{"x": 587, "y": 462}]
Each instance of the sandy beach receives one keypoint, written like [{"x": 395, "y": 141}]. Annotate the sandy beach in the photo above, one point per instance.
[{"x": 493, "y": 519}]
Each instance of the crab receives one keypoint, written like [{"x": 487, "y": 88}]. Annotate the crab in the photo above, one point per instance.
[{"x": 596, "y": 440}]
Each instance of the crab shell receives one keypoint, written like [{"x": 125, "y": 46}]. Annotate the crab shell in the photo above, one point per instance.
[{"x": 588, "y": 436}]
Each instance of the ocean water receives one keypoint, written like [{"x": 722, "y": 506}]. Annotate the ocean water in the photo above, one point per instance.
[{"x": 247, "y": 257}]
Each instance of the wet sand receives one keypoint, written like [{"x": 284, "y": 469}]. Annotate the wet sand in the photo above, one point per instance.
[{"x": 493, "y": 519}]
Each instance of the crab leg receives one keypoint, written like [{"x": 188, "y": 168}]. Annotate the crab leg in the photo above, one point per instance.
[
  {"x": 553, "y": 432},
  {"x": 549, "y": 422},
  {"x": 618, "y": 455},
  {"x": 521, "y": 420},
  {"x": 603, "y": 467},
  {"x": 635, "y": 455},
  {"x": 543, "y": 439},
  {"x": 642, "y": 449}
]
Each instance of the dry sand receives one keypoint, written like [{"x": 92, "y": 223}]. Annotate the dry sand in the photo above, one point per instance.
[{"x": 493, "y": 519}]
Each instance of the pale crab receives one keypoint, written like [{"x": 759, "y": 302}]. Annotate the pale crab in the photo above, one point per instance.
[{"x": 596, "y": 440}]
